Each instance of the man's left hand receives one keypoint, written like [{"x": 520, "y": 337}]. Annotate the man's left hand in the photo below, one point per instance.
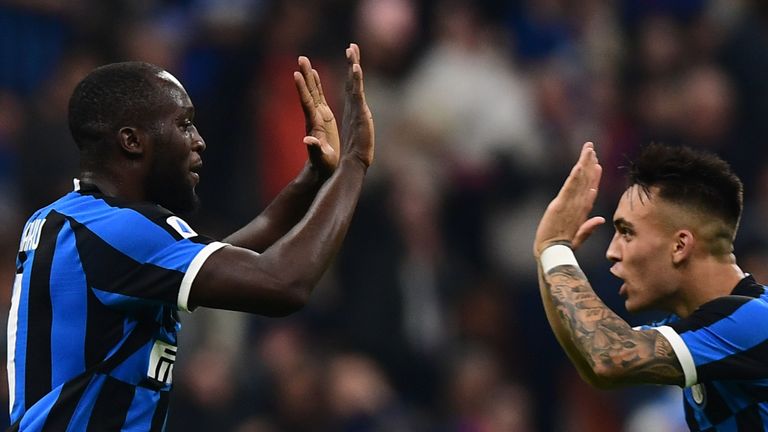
[{"x": 565, "y": 220}]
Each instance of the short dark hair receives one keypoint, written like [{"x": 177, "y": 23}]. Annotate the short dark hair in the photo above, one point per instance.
[
  {"x": 113, "y": 96},
  {"x": 692, "y": 178}
]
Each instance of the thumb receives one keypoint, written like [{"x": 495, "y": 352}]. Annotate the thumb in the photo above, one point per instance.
[{"x": 586, "y": 229}]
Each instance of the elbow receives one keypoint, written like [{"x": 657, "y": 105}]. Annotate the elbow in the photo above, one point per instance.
[
  {"x": 604, "y": 377},
  {"x": 292, "y": 298}
]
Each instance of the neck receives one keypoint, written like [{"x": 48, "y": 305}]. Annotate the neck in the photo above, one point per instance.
[
  {"x": 706, "y": 280},
  {"x": 113, "y": 182}
]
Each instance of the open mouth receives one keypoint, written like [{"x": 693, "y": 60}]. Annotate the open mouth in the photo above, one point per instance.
[{"x": 195, "y": 171}]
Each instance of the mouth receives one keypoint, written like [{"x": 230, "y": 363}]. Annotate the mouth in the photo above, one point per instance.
[{"x": 195, "y": 172}]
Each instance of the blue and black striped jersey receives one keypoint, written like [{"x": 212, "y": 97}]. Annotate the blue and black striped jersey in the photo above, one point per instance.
[
  {"x": 723, "y": 350},
  {"x": 94, "y": 313}
]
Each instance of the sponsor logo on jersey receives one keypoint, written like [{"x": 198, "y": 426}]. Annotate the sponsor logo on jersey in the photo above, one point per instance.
[{"x": 161, "y": 361}]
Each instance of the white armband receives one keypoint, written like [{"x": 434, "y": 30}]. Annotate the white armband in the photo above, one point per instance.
[{"x": 557, "y": 255}]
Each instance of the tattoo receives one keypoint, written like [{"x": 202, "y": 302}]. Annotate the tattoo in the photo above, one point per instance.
[{"x": 606, "y": 340}]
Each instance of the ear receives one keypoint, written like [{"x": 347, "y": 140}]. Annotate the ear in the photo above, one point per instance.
[
  {"x": 683, "y": 247},
  {"x": 131, "y": 141}
]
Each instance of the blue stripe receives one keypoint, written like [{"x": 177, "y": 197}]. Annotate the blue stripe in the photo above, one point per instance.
[
  {"x": 733, "y": 395},
  {"x": 133, "y": 370},
  {"x": 729, "y": 425},
  {"x": 125, "y": 229},
  {"x": 21, "y": 340},
  {"x": 35, "y": 418},
  {"x": 698, "y": 413},
  {"x": 707, "y": 344},
  {"x": 70, "y": 311},
  {"x": 139, "y": 416},
  {"x": 82, "y": 414}
]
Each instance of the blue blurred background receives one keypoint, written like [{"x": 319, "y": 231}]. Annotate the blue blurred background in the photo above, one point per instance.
[{"x": 430, "y": 318}]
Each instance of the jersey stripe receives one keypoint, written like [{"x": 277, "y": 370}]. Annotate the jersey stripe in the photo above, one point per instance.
[
  {"x": 69, "y": 311},
  {"x": 161, "y": 413},
  {"x": 66, "y": 403},
  {"x": 103, "y": 329},
  {"x": 710, "y": 313},
  {"x": 111, "y": 406},
  {"x": 102, "y": 262},
  {"x": 38, "y": 384},
  {"x": 748, "y": 361}
]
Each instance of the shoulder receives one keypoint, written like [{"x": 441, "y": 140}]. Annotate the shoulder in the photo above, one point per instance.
[{"x": 732, "y": 311}]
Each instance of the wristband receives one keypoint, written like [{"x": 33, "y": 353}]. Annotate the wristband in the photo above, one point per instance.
[{"x": 557, "y": 255}]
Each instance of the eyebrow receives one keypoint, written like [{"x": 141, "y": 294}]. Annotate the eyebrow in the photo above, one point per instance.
[
  {"x": 188, "y": 111},
  {"x": 622, "y": 223}
]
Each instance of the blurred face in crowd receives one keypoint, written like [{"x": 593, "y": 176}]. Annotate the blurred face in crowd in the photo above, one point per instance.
[
  {"x": 175, "y": 153},
  {"x": 641, "y": 251}
]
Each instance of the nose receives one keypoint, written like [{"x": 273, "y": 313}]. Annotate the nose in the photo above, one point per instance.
[
  {"x": 613, "y": 253},
  {"x": 198, "y": 143}
]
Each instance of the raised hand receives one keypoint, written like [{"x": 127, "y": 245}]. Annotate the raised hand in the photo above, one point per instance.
[
  {"x": 357, "y": 124},
  {"x": 565, "y": 219},
  {"x": 322, "y": 139}
]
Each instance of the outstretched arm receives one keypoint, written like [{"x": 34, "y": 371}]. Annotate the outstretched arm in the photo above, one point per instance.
[
  {"x": 279, "y": 281},
  {"x": 606, "y": 351},
  {"x": 322, "y": 141}
]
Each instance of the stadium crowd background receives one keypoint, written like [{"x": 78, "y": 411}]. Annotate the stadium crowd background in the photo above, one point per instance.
[{"x": 430, "y": 319}]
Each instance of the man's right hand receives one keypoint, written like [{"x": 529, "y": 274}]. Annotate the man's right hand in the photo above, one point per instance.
[{"x": 357, "y": 125}]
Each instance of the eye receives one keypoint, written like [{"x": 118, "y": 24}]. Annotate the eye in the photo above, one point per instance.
[
  {"x": 625, "y": 233},
  {"x": 187, "y": 125}
]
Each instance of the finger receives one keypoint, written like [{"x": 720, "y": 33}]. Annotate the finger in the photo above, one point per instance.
[
  {"x": 356, "y": 52},
  {"x": 316, "y": 77},
  {"x": 586, "y": 229},
  {"x": 304, "y": 95},
  {"x": 305, "y": 67},
  {"x": 582, "y": 174}
]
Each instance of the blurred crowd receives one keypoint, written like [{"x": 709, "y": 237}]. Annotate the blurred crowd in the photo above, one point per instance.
[{"x": 430, "y": 319}]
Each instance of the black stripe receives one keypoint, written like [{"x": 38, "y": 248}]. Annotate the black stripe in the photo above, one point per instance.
[
  {"x": 744, "y": 365},
  {"x": 155, "y": 213},
  {"x": 62, "y": 410},
  {"x": 710, "y": 313},
  {"x": 715, "y": 408},
  {"x": 37, "y": 376},
  {"x": 749, "y": 419},
  {"x": 749, "y": 287},
  {"x": 158, "y": 419},
  {"x": 103, "y": 330},
  {"x": 110, "y": 270},
  {"x": 111, "y": 406}
]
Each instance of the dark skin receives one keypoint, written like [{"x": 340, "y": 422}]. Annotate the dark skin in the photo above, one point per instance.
[{"x": 274, "y": 262}]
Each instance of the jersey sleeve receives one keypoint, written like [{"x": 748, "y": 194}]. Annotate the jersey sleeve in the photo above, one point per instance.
[
  {"x": 134, "y": 259},
  {"x": 725, "y": 339}
]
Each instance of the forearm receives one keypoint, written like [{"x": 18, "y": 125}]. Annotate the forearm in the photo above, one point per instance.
[
  {"x": 563, "y": 335},
  {"x": 307, "y": 249},
  {"x": 285, "y": 211},
  {"x": 608, "y": 351}
]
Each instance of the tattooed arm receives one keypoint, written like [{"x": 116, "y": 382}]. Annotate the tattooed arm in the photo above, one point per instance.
[{"x": 606, "y": 351}]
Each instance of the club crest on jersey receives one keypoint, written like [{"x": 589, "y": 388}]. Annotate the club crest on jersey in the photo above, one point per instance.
[{"x": 181, "y": 227}]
